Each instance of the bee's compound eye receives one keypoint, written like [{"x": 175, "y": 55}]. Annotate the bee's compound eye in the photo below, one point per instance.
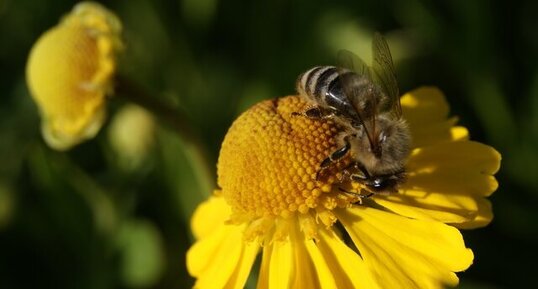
[
  {"x": 382, "y": 137},
  {"x": 378, "y": 184}
]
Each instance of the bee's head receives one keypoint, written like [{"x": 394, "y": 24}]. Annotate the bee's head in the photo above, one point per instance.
[{"x": 387, "y": 148}]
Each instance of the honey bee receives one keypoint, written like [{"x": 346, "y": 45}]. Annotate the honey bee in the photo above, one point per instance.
[{"x": 364, "y": 102}]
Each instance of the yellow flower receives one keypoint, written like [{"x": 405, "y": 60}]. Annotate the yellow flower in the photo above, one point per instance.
[
  {"x": 311, "y": 235},
  {"x": 69, "y": 72}
]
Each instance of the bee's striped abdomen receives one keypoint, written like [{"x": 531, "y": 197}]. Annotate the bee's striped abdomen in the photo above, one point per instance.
[{"x": 315, "y": 82}]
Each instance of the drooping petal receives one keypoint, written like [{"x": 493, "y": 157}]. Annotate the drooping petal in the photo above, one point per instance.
[
  {"x": 323, "y": 274},
  {"x": 209, "y": 215},
  {"x": 214, "y": 259},
  {"x": 239, "y": 277},
  {"x": 406, "y": 253},
  {"x": 310, "y": 274},
  {"x": 281, "y": 269},
  {"x": 346, "y": 266},
  {"x": 263, "y": 277},
  {"x": 287, "y": 263},
  {"x": 277, "y": 265},
  {"x": 301, "y": 262}
]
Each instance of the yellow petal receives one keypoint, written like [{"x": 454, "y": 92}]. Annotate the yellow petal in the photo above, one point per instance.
[
  {"x": 309, "y": 275},
  {"x": 277, "y": 266},
  {"x": 406, "y": 253},
  {"x": 437, "y": 132},
  {"x": 281, "y": 270},
  {"x": 240, "y": 275},
  {"x": 214, "y": 258},
  {"x": 445, "y": 181},
  {"x": 288, "y": 264},
  {"x": 424, "y": 105},
  {"x": 57, "y": 138},
  {"x": 263, "y": 278},
  {"x": 347, "y": 267},
  {"x": 483, "y": 216},
  {"x": 453, "y": 168},
  {"x": 449, "y": 180},
  {"x": 208, "y": 216},
  {"x": 324, "y": 274},
  {"x": 431, "y": 206},
  {"x": 468, "y": 156}
]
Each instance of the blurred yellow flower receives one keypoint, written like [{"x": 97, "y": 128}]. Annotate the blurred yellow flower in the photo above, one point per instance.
[
  {"x": 69, "y": 72},
  {"x": 311, "y": 235},
  {"x": 132, "y": 134}
]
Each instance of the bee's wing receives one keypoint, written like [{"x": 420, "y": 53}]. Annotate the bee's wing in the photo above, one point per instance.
[
  {"x": 384, "y": 73},
  {"x": 348, "y": 61}
]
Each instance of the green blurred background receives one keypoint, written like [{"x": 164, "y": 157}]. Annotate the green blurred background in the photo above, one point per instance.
[{"x": 99, "y": 217}]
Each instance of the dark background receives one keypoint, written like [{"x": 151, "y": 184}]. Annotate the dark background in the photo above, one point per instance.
[{"x": 80, "y": 220}]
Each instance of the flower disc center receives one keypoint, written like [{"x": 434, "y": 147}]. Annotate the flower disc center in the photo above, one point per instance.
[{"x": 269, "y": 160}]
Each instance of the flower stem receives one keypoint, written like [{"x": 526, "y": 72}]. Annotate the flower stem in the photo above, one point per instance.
[{"x": 174, "y": 118}]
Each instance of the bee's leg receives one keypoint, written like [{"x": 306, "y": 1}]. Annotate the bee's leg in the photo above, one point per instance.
[
  {"x": 335, "y": 156},
  {"x": 346, "y": 173},
  {"x": 316, "y": 113},
  {"x": 360, "y": 196},
  {"x": 361, "y": 175},
  {"x": 355, "y": 194}
]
